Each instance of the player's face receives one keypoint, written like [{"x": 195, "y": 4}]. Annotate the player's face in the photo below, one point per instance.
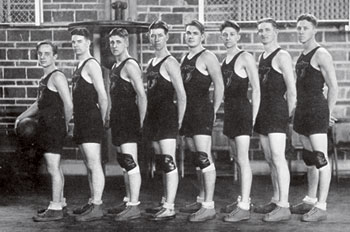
[
  {"x": 46, "y": 57},
  {"x": 306, "y": 31},
  {"x": 80, "y": 44},
  {"x": 193, "y": 36},
  {"x": 118, "y": 45},
  {"x": 230, "y": 37},
  {"x": 267, "y": 33},
  {"x": 158, "y": 38}
]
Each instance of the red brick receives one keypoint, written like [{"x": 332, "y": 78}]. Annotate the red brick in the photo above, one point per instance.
[
  {"x": 147, "y": 2},
  {"x": 172, "y": 2},
  {"x": 32, "y": 92},
  {"x": 14, "y": 92},
  {"x": 160, "y": 9},
  {"x": 39, "y": 35},
  {"x": 7, "y": 45},
  {"x": 172, "y": 18},
  {"x": 85, "y": 16},
  {"x": 51, "y": 7},
  {"x": 18, "y": 35},
  {"x": 47, "y": 17},
  {"x": 17, "y": 54},
  {"x": 335, "y": 36},
  {"x": 14, "y": 73},
  {"x": 2, "y": 35},
  {"x": 71, "y": 6},
  {"x": 2, "y": 54},
  {"x": 34, "y": 73},
  {"x": 174, "y": 38},
  {"x": 63, "y": 16},
  {"x": 7, "y": 63},
  {"x": 183, "y": 9}
]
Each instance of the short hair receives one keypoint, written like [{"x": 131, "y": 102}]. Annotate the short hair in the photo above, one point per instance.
[
  {"x": 47, "y": 42},
  {"x": 268, "y": 20},
  {"x": 121, "y": 32},
  {"x": 83, "y": 31},
  {"x": 197, "y": 24},
  {"x": 308, "y": 17},
  {"x": 159, "y": 24},
  {"x": 230, "y": 23}
]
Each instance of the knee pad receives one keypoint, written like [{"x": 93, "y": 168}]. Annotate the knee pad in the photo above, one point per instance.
[
  {"x": 319, "y": 159},
  {"x": 308, "y": 157},
  {"x": 202, "y": 160},
  {"x": 166, "y": 163},
  {"x": 126, "y": 161}
]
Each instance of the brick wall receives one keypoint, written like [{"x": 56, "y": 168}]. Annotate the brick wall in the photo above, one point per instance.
[{"x": 19, "y": 72}]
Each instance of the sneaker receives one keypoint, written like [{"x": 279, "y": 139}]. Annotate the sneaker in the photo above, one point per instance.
[
  {"x": 278, "y": 214},
  {"x": 154, "y": 209},
  {"x": 202, "y": 215},
  {"x": 118, "y": 209},
  {"x": 49, "y": 215},
  {"x": 82, "y": 209},
  {"x": 94, "y": 213},
  {"x": 237, "y": 215},
  {"x": 264, "y": 209},
  {"x": 64, "y": 210},
  {"x": 191, "y": 208},
  {"x": 163, "y": 214},
  {"x": 229, "y": 208},
  {"x": 129, "y": 213},
  {"x": 301, "y": 208},
  {"x": 314, "y": 215}
]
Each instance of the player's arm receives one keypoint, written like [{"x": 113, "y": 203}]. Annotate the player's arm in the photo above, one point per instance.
[
  {"x": 93, "y": 69},
  {"x": 173, "y": 69},
  {"x": 284, "y": 62},
  {"x": 325, "y": 63},
  {"x": 61, "y": 84},
  {"x": 252, "y": 72},
  {"x": 134, "y": 73},
  {"x": 214, "y": 70}
]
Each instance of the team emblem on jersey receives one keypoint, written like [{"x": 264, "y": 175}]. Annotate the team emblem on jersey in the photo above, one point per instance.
[
  {"x": 113, "y": 79},
  {"x": 264, "y": 73},
  {"x": 186, "y": 72},
  {"x": 41, "y": 88},
  {"x": 227, "y": 74},
  {"x": 152, "y": 78},
  {"x": 300, "y": 69}
]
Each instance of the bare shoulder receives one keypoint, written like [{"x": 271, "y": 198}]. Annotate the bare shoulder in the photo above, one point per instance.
[
  {"x": 131, "y": 64},
  {"x": 246, "y": 56},
  {"x": 171, "y": 62},
  {"x": 92, "y": 64},
  {"x": 282, "y": 57},
  {"x": 323, "y": 54},
  {"x": 58, "y": 76}
]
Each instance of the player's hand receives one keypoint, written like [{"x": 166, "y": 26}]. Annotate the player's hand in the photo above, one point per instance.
[{"x": 332, "y": 120}]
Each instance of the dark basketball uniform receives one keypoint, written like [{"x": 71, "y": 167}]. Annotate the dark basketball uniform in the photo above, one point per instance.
[
  {"x": 273, "y": 112},
  {"x": 199, "y": 115},
  {"x": 238, "y": 110},
  {"x": 51, "y": 121},
  {"x": 88, "y": 123},
  {"x": 312, "y": 112},
  {"x": 124, "y": 117},
  {"x": 162, "y": 117}
]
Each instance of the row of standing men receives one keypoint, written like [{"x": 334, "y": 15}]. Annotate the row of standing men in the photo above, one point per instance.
[{"x": 276, "y": 100}]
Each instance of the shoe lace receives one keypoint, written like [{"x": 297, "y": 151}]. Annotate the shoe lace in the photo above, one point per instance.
[
  {"x": 233, "y": 212},
  {"x": 313, "y": 211}
]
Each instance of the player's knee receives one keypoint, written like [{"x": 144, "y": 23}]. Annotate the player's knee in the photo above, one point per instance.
[
  {"x": 319, "y": 159},
  {"x": 127, "y": 162},
  {"x": 166, "y": 163},
  {"x": 202, "y": 161},
  {"x": 307, "y": 157}
]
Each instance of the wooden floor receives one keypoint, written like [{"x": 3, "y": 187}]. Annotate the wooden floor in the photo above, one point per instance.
[{"x": 17, "y": 209}]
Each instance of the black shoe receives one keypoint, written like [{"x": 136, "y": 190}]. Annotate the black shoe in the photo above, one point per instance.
[
  {"x": 301, "y": 208},
  {"x": 163, "y": 214},
  {"x": 118, "y": 209},
  {"x": 49, "y": 215},
  {"x": 154, "y": 209},
  {"x": 64, "y": 210},
  {"x": 264, "y": 209},
  {"x": 82, "y": 209}
]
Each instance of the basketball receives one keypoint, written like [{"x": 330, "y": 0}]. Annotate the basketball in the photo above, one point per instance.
[{"x": 27, "y": 129}]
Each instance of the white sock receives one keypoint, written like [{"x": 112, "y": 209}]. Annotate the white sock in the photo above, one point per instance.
[
  {"x": 200, "y": 199},
  {"x": 244, "y": 205},
  {"x": 132, "y": 203},
  {"x": 208, "y": 205},
  {"x": 63, "y": 202},
  {"x": 97, "y": 202},
  {"x": 163, "y": 200},
  {"x": 55, "y": 205},
  {"x": 322, "y": 206},
  {"x": 126, "y": 199},
  {"x": 283, "y": 204},
  {"x": 310, "y": 200},
  {"x": 168, "y": 205},
  {"x": 273, "y": 200}
]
